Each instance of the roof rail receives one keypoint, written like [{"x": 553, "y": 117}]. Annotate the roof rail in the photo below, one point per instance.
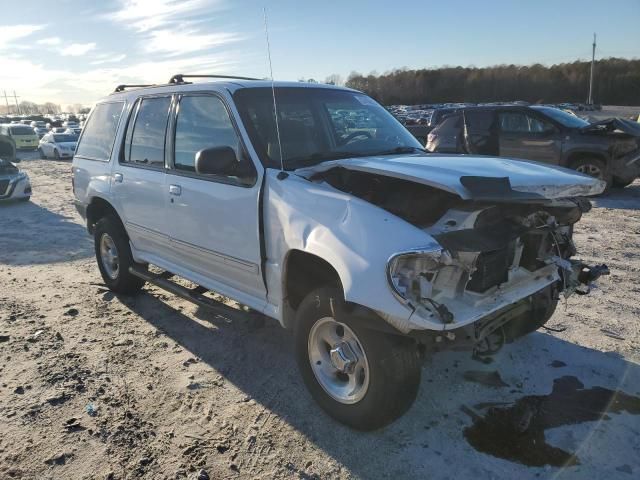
[
  {"x": 121, "y": 88},
  {"x": 179, "y": 78}
]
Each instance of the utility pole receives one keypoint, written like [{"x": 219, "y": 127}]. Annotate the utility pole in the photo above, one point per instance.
[
  {"x": 593, "y": 60},
  {"x": 6, "y": 100},
  {"x": 16, "y": 99}
]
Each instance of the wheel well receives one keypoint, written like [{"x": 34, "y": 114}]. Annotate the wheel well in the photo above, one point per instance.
[
  {"x": 574, "y": 156},
  {"x": 97, "y": 209},
  {"x": 304, "y": 273}
]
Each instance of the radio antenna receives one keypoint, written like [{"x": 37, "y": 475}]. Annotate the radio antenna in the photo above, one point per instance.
[{"x": 282, "y": 175}]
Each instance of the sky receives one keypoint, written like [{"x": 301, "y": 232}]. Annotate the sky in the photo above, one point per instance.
[{"x": 77, "y": 51}]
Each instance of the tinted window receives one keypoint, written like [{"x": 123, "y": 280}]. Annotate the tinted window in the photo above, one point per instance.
[
  {"x": 518, "y": 122},
  {"x": 147, "y": 137},
  {"x": 61, "y": 138},
  {"x": 100, "y": 131},
  {"x": 563, "y": 117},
  {"x": 203, "y": 122},
  {"x": 452, "y": 123},
  {"x": 21, "y": 130}
]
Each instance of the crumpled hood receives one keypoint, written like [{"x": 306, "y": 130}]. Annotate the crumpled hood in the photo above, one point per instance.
[
  {"x": 474, "y": 177},
  {"x": 612, "y": 125}
]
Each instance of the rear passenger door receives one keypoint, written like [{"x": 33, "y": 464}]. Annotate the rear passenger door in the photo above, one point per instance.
[
  {"x": 138, "y": 177},
  {"x": 214, "y": 219},
  {"x": 525, "y": 135}
]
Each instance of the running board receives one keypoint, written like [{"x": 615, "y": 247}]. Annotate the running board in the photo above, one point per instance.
[{"x": 195, "y": 295}]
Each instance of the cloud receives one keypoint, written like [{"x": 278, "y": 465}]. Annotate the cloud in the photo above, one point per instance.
[
  {"x": 11, "y": 33},
  {"x": 77, "y": 49},
  {"x": 183, "y": 42},
  {"x": 51, "y": 41},
  {"x": 108, "y": 58},
  {"x": 146, "y": 15}
]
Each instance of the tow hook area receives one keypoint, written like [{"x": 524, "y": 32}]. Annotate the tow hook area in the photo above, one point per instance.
[{"x": 587, "y": 275}]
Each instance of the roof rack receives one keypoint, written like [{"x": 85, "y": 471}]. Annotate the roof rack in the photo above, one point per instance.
[
  {"x": 121, "y": 88},
  {"x": 179, "y": 78}
]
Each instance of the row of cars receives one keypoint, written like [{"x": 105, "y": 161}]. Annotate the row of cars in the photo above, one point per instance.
[
  {"x": 608, "y": 150},
  {"x": 57, "y": 142}
]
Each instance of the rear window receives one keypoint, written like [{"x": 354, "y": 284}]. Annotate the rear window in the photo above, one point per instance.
[
  {"x": 21, "y": 130},
  {"x": 100, "y": 131},
  {"x": 62, "y": 138}
]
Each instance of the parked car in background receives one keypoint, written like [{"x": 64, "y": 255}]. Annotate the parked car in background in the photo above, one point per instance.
[
  {"x": 41, "y": 131},
  {"x": 73, "y": 131},
  {"x": 58, "y": 130},
  {"x": 14, "y": 184},
  {"x": 371, "y": 250},
  {"x": 24, "y": 136},
  {"x": 58, "y": 145},
  {"x": 608, "y": 150}
]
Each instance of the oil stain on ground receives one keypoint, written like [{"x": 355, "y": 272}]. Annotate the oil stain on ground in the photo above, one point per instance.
[{"x": 516, "y": 432}]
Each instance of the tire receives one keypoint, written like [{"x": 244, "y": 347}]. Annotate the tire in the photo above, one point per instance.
[
  {"x": 593, "y": 167},
  {"x": 620, "y": 183},
  {"x": 42, "y": 155},
  {"x": 386, "y": 374},
  {"x": 24, "y": 199},
  {"x": 109, "y": 236},
  {"x": 56, "y": 154}
]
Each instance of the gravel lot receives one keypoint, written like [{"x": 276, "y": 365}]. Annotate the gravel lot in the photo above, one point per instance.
[{"x": 96, "y": 386}]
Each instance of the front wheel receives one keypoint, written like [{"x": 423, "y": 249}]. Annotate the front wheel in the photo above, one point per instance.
[
  {"x": 42, "y": 155},
  {"x": 114, "y": 258},
  {"x": 593, "y": 167},
  {"x": 361, "y": 377},
  {"x": 56, "y": 154}
]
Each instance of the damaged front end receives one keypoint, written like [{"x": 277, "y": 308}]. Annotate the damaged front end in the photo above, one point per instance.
[{"x": 502, "y": 263}]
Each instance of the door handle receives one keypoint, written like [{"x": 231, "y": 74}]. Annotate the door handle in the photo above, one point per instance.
[
  {"x": 117, "y": 177},
  {"x": 175, "y": 190}
]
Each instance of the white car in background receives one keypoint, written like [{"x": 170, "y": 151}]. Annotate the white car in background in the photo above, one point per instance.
[
  {"x": 14, "y": 184},
  {"x": 57, "y": 145}
]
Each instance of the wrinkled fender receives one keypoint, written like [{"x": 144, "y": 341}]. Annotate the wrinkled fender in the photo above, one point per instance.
[
  {"x": 92, "y": 179},
  {"x": 355, "y": 237}
]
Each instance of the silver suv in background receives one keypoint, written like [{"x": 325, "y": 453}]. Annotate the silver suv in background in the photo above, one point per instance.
[{"x": 370, "y": 250}]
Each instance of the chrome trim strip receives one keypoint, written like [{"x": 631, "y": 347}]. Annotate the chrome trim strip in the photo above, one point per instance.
[{"x": 225, "y": 259}]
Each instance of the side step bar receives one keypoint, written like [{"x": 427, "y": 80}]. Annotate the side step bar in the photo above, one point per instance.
[{"x": 195, "y": 295}]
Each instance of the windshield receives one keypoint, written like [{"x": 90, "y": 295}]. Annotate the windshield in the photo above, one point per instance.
[
  {"x": 562, "y": 117},
  {"x": 65, "y": 138},
  {"x": 319, "y": 124},
  {"x": 21, "y": 130}
]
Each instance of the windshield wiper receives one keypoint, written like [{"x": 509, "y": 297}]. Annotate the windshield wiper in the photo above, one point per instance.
[
  {"x": 318, "y": 157},
  {"x": 398, "y": 150}
]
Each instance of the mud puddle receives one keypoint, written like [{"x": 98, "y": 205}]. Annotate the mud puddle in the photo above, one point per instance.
[{"x": 516, "y": 432}]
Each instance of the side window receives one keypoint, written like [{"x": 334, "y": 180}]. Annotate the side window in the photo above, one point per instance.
[
  {"x": 100, "y": 131},
  {"x": 203, "y": 122},
  {"x": 518, "y": 122},
  {"x": 145, "y": 137}
]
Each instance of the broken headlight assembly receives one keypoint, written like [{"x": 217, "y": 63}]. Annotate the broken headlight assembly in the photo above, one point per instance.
[{"x": 411, "y": 274}]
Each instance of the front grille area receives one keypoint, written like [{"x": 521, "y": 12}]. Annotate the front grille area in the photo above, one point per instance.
[
  {"x": 4, "y": 184},
  {"x": 492, "y": 268}
]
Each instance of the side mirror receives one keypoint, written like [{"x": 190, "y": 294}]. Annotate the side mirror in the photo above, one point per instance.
[{"x": 216, "y": 161}]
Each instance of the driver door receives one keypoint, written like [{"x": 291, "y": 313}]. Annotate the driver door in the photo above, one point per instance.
[
  {"x": 524, "y": 135},
  {"x": 213, "y": 220}
]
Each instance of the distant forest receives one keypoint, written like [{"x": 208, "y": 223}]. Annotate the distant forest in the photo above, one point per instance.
[{"x": 616, "y": 82}]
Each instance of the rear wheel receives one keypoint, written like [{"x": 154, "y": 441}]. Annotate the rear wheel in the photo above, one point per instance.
[
  {"x": 593, "y": 167},
  {"x": 41, "y": 152},
  {"x": 114, "y": 258},
  {"x": 361, "y": 377}
]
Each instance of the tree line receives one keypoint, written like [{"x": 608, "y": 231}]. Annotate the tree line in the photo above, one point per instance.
[
  {"x": 30, "y": 108},
  {"x": 616, "y": 82}
]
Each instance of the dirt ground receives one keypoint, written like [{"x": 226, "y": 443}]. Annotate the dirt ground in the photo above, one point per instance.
[{"x": 97, "y": 386}]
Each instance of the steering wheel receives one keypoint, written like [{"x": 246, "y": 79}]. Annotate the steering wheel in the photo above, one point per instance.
[{"x": 353, "y": 135}]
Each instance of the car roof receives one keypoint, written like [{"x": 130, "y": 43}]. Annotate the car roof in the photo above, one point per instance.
[{"x": 229, "y": 85}]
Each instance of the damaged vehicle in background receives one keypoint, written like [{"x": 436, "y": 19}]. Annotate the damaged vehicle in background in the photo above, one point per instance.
[
  {"x": 608, "y": 150},
  {"x": 14, "y": 184},
  {"x": 372, "y": 251}
]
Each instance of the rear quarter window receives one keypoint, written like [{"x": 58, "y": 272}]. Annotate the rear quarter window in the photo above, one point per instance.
[{"x": 100, "y": 132}]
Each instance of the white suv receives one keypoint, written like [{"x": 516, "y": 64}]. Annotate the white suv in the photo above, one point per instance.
[{"x": 312, "y": 205}]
